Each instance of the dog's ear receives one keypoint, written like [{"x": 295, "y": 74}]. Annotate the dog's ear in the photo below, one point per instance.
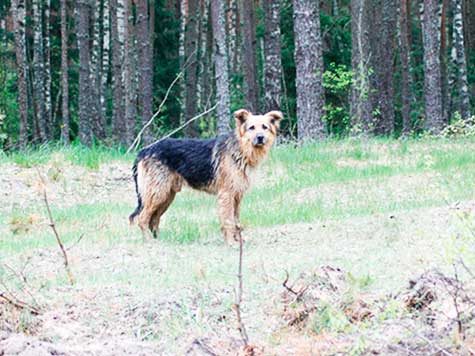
[
  {"x": 241, "y": 116},
  {"x": 275, "y": 117}
]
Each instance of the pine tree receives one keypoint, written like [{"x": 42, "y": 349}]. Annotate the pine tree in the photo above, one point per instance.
[
  {"x": 85, "y": 101},
  {"x": 434, "y": 120},
  {"x": 65, "y": 126},
  {"x": 144, "y": 43},
  {"x": 221, "y": 66},
  {"x": 272, "y": 52},
  {"x": 247, "y": 12},
  {"x": 38, "y": 72},
  {"x": 405, "y": 55},
  {"x": 19, "y": 17},
  {"x": 309, "y": 65}
]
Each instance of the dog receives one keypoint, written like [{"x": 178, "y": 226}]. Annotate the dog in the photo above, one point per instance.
[{"x": 219, "y": 166}]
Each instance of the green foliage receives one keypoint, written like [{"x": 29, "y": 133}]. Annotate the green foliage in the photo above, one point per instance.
[
  {"x": 459, "y": 127},
  {"x": 337, "y": 81}
]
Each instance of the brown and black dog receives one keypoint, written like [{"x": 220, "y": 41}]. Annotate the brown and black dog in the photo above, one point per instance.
[{"x": 218, "y": 166}]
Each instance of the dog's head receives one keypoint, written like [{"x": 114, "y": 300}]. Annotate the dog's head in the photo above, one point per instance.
[{"x": 257, "y": 133}]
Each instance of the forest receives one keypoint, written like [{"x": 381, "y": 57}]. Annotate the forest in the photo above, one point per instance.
[{"x": 95, "y": 71}]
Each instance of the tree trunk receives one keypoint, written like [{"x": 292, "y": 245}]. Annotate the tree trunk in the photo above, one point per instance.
[
  {"x": 272, "y": 52},
  {"x": 460, "y": 62},
  {"x": 39, "y": 72},
  {"x": 85, "y": 100},
  {"x": 191, "y": 79},
  {"x": 65, "y": 126},
  {"x": 18, "y": 7},
  {"x": 361, "y": 110},
  {"x": 47, "y": 75},
  {"x": 383, "y": 33},
  {"x": 434, "y": 121},
  {"x": 309, "y": 66},
  {"x": 144, "y": 42},
  {"x": 221, "y": 66},
  {"x": 105, "y": 61},
  {"x": 129, "y": 73},
  {"x": 233, "y": 32},
  {"x": 248, "y": 28},
  {"x": 117, "y": 34},
  {"x": 405, "y": 55}
]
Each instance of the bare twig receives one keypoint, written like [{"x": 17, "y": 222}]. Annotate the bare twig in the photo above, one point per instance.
[
  {"x": 237, "y": 306},
  {"x": 137, "y": 140},
  {"x": 299, "y": 294},
  {"x": 21, "y": 277},
  {"x": 19, "y": 304},
  {"x": 56, "y": 234}
]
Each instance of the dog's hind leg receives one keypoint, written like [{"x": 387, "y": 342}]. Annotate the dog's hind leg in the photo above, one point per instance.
[{"x": 161, "y": 208}]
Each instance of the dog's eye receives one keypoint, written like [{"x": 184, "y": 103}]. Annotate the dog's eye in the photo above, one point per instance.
[
  {"x": 265, "y": 127},
  {"x": 251, "y": 128}
]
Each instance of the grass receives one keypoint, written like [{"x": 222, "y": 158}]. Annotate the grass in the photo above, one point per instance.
[
  {"x": 330, "y": 180},
  {"x": 366, "y": 206}
]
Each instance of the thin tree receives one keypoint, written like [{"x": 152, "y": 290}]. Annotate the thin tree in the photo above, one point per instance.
[
  {"x": 117, "y": 35},
  {"x": 144, "y": 44},
  {"x": 405, "y": 55},
  {"x": 459, "y": 60},
  {"x": 38, "y": 71},
  {"x": 360, "y": 108},
  {"x": 105, "y": 67},
  {"x": 248, "y": 28},
  {"x": 129, "y": 73},
  {"x": 85, "y": 101},
  {"x": 47, "y": 68},
  {"x": 434, "y": 118},
  {"x": 97, "y": 121},
  {"x": 309, "y": 66},
  {"x": 18, "y": 15},
  {"x": 65, "y": 126},
  {"x": 191, "y": 60},
  {"x": 221, "y": 66},
  {"x": 272, "y": 52}
]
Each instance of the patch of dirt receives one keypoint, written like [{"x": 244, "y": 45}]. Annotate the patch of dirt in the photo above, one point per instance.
[{"x": 68, "y": 185}]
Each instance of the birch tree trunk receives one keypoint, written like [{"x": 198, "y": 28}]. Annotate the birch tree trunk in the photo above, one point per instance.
[
  {"x": 97, "y": 122},
  {"x": 85, "y": 92},
  {"x": 233, "y": 32},
  {"x": 47, "y": 75},
  {"x": 182, "y": 57},
  {"x": 459, "y": 60},
  {"x": 247, "y": 12},
  {"x": 272, "y": 53},
  {"x": 309, "y": 66},
  {"x": 117, "y": 34},
  {"x": 38, "y": 72},
  {"x": 106, "y": 39},
  {"x": 144, "y": 42},
  {"x": 65, "y": 126},
  {"x": 434, "y": 120},
  {"x": 221, "y": 66},
  {"x": 18, "y": 7}
]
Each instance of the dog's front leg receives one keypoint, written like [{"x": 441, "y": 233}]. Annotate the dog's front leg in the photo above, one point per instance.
[
  {"x": 237, "y": 210},
  {"x": 227, "y": 215}
]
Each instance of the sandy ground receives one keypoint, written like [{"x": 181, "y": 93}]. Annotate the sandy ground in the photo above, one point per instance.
[{"x": 136, "y": 298}]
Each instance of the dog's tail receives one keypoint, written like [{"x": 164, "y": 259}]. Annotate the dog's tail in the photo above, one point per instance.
[{"x": 139, "y": 207}]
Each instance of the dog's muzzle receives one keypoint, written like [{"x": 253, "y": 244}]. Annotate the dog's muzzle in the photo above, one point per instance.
[{"x": 259, "y": 140}]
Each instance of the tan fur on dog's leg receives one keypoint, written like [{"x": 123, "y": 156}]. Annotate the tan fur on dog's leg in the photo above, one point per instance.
[{"x": 227, "y": 217}]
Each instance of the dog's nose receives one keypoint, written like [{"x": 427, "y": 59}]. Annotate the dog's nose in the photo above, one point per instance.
[{"x": 260, "y": 139}]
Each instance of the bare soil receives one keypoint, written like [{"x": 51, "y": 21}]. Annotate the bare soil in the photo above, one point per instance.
[{"x": 148, "y": 298}]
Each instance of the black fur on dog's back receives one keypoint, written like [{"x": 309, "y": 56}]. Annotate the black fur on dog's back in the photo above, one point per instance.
[{"x": 193, "y": 159}]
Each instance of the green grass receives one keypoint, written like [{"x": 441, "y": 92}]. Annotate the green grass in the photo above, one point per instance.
[
  {"x": 90, "y": 157},
  {"x": 329, "y": 180}
]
